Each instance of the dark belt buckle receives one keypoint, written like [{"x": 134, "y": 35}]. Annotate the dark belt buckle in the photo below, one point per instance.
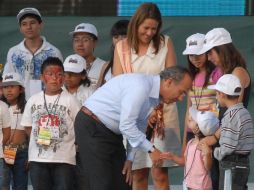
[{"x": 90, "y": 114}]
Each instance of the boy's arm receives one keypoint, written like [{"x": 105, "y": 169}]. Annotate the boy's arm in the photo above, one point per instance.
[
  {"x": 211, "y": 140},
  {"x": 6, "y": 134}
]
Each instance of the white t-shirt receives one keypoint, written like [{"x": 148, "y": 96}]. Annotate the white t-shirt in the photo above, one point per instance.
[
  {"x": 56, "y": 115},
  {"x": 16, "y": 116},
  {"x": 5, "y": 122},
  {"x": 95, "y": 70},
  {"x": 82, "y": 93},
  {"x": 28, "y": 65}
]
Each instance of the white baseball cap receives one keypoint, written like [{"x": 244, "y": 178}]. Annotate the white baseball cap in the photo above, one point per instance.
[
  {"x": 12, "y": 79},
  {"x": 28, "y": 10},
  {"x": 85, "y": 27},
  {"x": 194, "y": 44},
  {"x": 74, "y": 63},
  {"x": 207, "y": 121},
  {"x": 228, "y": 84},
  {"x": 216, "y": 37}
]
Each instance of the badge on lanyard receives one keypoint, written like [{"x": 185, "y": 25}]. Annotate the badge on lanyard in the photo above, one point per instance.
[
  {"x": 44, "y": 136},
  {"x": 9, "y": 154}
]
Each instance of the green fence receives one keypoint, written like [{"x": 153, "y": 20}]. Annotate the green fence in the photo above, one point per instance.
[{"x": 56, "y": 30}]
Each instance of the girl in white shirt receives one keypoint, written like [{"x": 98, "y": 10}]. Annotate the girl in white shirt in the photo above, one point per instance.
[{"x": 14, "y": 96}]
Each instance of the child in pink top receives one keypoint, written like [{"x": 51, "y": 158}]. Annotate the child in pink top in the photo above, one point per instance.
[{"x": 197, "y": 158}]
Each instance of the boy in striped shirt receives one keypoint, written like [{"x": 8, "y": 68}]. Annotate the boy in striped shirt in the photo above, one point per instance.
[{"x": 236, "y": 133}]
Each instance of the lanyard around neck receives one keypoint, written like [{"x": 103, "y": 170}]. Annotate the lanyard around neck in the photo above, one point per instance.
[{"x": 54, "y": 104}]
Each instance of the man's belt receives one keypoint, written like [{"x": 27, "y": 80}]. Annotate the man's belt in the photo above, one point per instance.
[{"x": 88, "y": 112}]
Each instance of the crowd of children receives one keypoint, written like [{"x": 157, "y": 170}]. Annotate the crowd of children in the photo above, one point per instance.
[{"x": 37, "y": 128}]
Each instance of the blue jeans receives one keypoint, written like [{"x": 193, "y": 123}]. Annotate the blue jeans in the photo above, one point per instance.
[
  {"x": 17, "y": 174},
  {"x": 49, "y": 176},
  {"x": 240, "y": 169},
  {"x": 1, "y": 171}
]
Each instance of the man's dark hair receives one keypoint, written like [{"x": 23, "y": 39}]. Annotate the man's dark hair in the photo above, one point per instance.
[
  {"x": 175, "y": 72},
  {"x": 51, "y": 61}
]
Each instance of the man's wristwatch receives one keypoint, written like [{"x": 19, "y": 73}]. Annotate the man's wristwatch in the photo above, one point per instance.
[{"x": 152, "y": 149}]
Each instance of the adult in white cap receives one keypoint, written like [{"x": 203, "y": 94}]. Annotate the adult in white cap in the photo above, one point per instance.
[
  {"x": 85, "y": 37},
  {"x": 76, "y": 81},
  {"x": 147, "y": 50},
  {"x": 236, "y": 133},
  {"x": 222, "y": 52},
  {"x": 27, "y": 57},
  {"x": 14, "y": 97}
]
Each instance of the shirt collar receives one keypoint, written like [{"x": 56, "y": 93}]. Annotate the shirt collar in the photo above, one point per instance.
[
  {"x": 235, "y": 106},
  {"x": 44, "y": 45},
  {"x": 155, "y": 90},
  {"x": 232, "y": 108}
]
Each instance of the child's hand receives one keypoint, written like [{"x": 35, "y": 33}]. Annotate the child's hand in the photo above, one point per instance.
[
  {"x": 167, "y": 155},
  {"x": 205, "y": 140}
]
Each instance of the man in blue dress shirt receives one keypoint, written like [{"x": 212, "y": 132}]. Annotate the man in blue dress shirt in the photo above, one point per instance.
[{"x": 119, "y": 108}]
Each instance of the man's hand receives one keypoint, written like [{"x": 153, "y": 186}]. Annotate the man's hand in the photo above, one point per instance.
[
  {"x": 167, "y": 156},
  {"x": 155, "y": 157},
  {"x": 127, "y": 171}
]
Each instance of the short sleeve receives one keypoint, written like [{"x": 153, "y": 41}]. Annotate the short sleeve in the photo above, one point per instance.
[{"x": 5, "y": 115}]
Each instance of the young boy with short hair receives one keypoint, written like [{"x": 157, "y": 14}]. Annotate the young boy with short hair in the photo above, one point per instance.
[
  {"x": 27, "y": 57},
  {"x": 48, "y": 119},
  {"x": 85, "y": 38},
  {"x": 236, "y": 133}
]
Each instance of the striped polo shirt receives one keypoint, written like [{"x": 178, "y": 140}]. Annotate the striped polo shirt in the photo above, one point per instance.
[{"x": 237, "y": 132}]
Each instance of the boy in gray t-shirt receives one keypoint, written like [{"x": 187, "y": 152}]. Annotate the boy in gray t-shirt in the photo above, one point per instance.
[{"x": 236, "y": 133}]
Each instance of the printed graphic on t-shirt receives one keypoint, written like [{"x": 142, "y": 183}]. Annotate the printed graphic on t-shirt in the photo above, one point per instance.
[
  {"x": 31, "y": 67},
  {"x": 50, "y": 128}
]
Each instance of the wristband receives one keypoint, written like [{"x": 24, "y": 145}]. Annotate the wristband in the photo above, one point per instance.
[{"x": 152, "y": 149}]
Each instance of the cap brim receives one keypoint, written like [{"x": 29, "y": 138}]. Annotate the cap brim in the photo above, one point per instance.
[
  {"x": 193, "y": 113},
  {"x": 12, "y": 83},
  {"x": 68, "y": 69},
  {"x": 19, "y": 16},
  {"x": 74, "y": 32},
  {"x": 191, "y": 52},
  {"x": 205, "y": 49}
]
